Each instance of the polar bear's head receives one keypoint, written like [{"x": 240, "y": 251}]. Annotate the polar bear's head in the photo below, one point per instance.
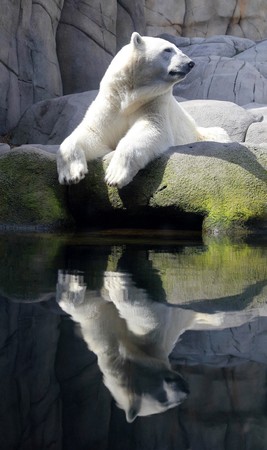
[
  {"x": 157, "y": 60},
  {"x": 148, "y": 62}
]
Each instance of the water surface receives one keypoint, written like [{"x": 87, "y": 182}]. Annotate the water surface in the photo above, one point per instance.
[{"x": 142, "y": 342}]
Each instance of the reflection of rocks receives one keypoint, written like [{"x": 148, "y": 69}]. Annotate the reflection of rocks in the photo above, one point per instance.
[
  {"x": 29, "y": 390},
  {"x": 128, "y": 346},
  {"x": 226, "y": 408},
  {"x": 51, "y": 391},
  {"x": 134, "y": 345},
  {"x": 233, "y": 275},
  {"x": 28, "y": 273}
]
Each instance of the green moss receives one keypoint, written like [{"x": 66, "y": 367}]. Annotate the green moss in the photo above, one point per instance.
[
  {"x": 234, "y": 274},
  {"x": 30, "y": 192},
  {"x": 227, "y": 187}
]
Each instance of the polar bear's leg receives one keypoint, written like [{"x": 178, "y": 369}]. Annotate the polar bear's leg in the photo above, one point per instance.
[
  {"x": 73, "y": 153},
  {"x": 71, "y": 162},
  {"x": 216, "y": 134},
  {"x": 143, "y": 142}
]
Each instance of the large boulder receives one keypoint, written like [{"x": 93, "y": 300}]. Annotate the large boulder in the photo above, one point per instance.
[
  {"x": 30, "y": 193},
  {"x": 234, "y": 119},
  {"x": 257, "y": 131},
  {"x": 29, "y": 70},
  {"x": 221, "y": 187},
  {"x": 86, "y": 39},
  {"x": 227, "y": 68},
  {"x": 243, "y": 19},
  {"x": 226, "y": 184},
  {"x": 50, "y": 121}
]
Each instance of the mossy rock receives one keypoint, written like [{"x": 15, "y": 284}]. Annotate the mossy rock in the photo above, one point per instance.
[
  {"x": 31, "y": 196},
  {"x": 225, "y": 184}
]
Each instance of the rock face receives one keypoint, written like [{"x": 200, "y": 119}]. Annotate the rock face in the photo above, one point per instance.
[
  {"x": 64, "y": 47},
  {"x": 227, "y": 68},
  {"x": 54, "y": 47},
  {"x": 223, "y": 184},
  {"x": 52, "y": 393},
  {"x": 51, "y": 121},
  {"x": 36, "y": 201},
  {"x": 188, "y": 18},
  {"x": 29, "y": 70}
]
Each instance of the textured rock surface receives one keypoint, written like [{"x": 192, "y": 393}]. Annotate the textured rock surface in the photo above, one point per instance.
[
  {"x": 190, "y": 18},
  {"x": 29, "y": 70},
  {"x": 257, "y": 132},
  {"x": 227, "y": 68},
  {"x": 50, "y": 47},
  {"x": 50, "y": 121},
  {"x": 30, "y": 193},
  {"x": 188, "y": 278},
  {"x": 68, "y": 399},
  {"x": 67, "y": 402},
  {"x": 226, "y": 184},
  {"x": 86, "y": 42}
]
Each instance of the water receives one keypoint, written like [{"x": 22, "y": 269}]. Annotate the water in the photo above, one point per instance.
[{"x": 173, "y": 331}]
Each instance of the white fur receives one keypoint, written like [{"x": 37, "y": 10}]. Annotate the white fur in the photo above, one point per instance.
[
  {"x": 134, "y": 114},
  {"x": 133, "y": 336}
]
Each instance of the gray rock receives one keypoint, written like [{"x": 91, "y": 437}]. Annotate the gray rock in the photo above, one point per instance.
[
  {"x": 4, "y": 148},
  {"x": 257, "y": 132},
  {"x": 257, "y": 108},
  {"x": 130, "y": 18},
  {"x": 53, "y": 47},
  {"x": 228, "y": 46},
  {"x": 234, "y": 119},
  {"x": 224, "y": 183},
  {"x": 33, "y": 198},
  {"x": 256, "y": 56},
  {"x": 86, "y": 43},
  {"x": 49, "y": 122},
  {"x": 29, "y": 70},
  {"x": 216, "y": 18},
  {"x": 222, "y": 78},
  {"x": 46, "y": 148}
]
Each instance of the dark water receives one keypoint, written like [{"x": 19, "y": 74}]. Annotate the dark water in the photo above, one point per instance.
[{"x": 173, "y": 331}]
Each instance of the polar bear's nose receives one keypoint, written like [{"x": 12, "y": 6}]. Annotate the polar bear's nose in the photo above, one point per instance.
[{"x": 191, "y": 65}]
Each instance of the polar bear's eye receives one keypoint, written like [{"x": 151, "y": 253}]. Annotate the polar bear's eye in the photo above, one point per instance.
[{"x": 167, "y": 50}]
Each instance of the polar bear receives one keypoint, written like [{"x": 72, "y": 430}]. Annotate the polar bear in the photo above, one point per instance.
[
  {"x": 135, "y": 117},
  {"x": 132, "y": 353},
  {"x": 133, "y": 336}
]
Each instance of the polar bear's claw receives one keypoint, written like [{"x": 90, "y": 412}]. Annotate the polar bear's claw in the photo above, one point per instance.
[
  {"x": 71, "y": 171},
  {"x": 118, "y": 179}
]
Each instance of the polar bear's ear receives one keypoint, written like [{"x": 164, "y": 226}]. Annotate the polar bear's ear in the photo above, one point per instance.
[
  {"x": 133, "y": 410},
  {"x": 136, "y": 40}
]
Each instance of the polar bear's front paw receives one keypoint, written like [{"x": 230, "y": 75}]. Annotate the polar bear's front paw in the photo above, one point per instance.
[
  {"x": 118, "y": 174},
  {"x": 72, "y": 173},
  {"x": 72, "y": 167}
]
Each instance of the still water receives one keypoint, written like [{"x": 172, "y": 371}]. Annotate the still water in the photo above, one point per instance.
[{"x": 148, "y": 342}]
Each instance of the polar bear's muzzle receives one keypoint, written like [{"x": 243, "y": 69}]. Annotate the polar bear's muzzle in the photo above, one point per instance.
[{"x": 183, "y": 70}]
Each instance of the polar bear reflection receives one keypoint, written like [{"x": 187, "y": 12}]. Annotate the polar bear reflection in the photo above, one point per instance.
[{"x": 132, "y": 337}]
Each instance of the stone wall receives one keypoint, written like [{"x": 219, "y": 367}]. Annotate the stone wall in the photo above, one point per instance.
[{"x": 54, "y": 47}]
